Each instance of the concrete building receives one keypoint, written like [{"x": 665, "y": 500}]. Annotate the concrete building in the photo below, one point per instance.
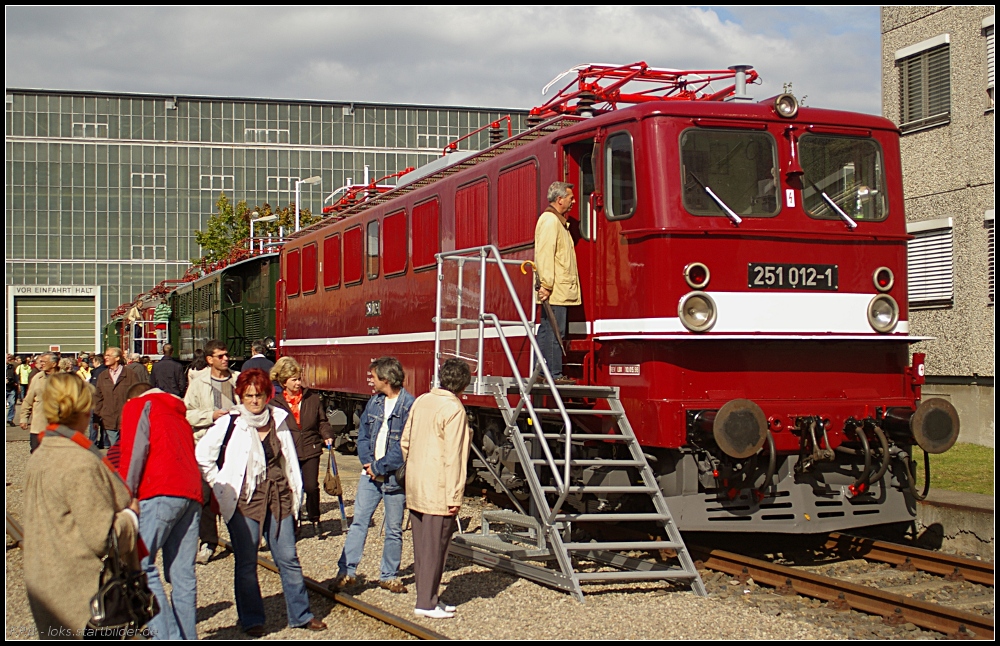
[
  {"x": 938, "y": 86},
  {"x": 104, "y": 191}
]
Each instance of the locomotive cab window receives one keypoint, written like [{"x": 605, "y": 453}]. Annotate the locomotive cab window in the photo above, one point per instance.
[
  {"x": 620, "y": 183},
  {"x": 231, "y": 287},
  {"x": 729, "y": 169},
  {"x": 371, "y": 249},
  {"x": 847, "y": 171}
]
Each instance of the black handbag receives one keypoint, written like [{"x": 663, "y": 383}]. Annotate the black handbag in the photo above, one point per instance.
[
  {"x": 124, "y": 603},
  {"x": 401, "y": 476}
]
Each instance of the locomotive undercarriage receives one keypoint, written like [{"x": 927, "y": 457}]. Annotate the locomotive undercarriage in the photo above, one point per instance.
[{"x": 816, "y": 490}]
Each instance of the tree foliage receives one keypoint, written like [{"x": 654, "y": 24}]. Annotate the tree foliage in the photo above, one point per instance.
[{"x": 229, "y": 227}]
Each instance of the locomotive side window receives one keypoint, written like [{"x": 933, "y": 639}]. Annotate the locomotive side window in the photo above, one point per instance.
[
  {"x": 331, "y": 261},
  {"x": 517, "y": 203},
  {"x": 620, "y": 184},
  {"x": 426, "y": 233},
  {"x": 309, "y": 279},
  {"x": 394, "y": 243},
  {"x": 729, "y": 169},
  {"x": 471, "y": 211},
  {"x": 847, "y": 171},
  {"x": 292, "y": 273},
  {"x": 232, "y": 286},
  {"x": 371, "y": 249},
  {"x": 353, "y": 241}
]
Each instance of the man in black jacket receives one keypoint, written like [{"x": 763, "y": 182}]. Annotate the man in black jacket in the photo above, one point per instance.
[{"x": 168, "y": 374}]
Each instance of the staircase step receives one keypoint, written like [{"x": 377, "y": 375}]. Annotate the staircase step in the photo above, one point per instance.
[
  {"x": 498, "y": 545},
  {"x": 593, "y": 463},
  {"x": 603, "y": 489},
  {"x": 579, "y": 436},
  {"x": 636, "y": 575},
  {"x": 507, "y": 517},
  {"x": 576, "y": 411},
  {"x": 611, "y": 517},
  {"x": 626, "y": 545},
  {"x": 587, "y": 392}
]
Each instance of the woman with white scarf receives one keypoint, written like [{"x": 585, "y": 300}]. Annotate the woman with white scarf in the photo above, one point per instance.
[{"x": 248, "y": 458}]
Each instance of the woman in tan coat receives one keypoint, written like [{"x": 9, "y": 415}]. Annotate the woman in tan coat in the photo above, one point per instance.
[
  {"x": 72, "y": 501},
  {"x": 435, "y": 445}
]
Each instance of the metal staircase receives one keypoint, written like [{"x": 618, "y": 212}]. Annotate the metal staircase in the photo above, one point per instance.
[{"x": 550, "y": 542}]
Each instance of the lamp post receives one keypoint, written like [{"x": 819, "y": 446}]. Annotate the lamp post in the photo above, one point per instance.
[
  {"x": 266, "y": 218},
  {"x": 298, "y": 194}
]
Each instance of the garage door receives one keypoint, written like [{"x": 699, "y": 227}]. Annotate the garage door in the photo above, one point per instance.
[{"x": 44, "y": 321}]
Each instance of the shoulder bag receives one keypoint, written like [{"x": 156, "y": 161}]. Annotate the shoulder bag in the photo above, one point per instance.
[{"x": 331, "y": 483}]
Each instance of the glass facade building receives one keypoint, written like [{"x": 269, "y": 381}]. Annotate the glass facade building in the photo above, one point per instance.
[{"x": 107, "y": 189}]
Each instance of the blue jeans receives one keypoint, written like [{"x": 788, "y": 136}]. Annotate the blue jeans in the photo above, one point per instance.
[
  {"x": 245, "y": 534},
  {"x": 170, "y": 524},
  {"x": 11, "y": 403},
  {"x": 365, "y": 502},
  {"x": 547, "y": 342},
  {"x": 112, "y": 436}
]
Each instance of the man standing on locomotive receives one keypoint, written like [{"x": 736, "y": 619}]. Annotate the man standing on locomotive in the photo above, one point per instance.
[{"x": 555, "y": 262}]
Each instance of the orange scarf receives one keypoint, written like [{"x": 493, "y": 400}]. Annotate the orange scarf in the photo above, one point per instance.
[{"x": 293, "y": 402}]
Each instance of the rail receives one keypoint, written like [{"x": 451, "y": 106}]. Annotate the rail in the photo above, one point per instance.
[{"x": 489, "y": 256}]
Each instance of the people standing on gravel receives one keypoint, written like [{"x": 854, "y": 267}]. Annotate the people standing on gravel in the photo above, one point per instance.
[
  {"x": 248, "y": 457},
  {"x": 72, "y": 503},
  {"x": 24, "y": 376},
  {"x": 112, "y": 391},
  {"x": 31, "y": 408},
  {"x": 158, "y": 464},
  {"x": 378, "y": 448},
  {"x": 210, "y": 395},
  {"x": 435, "y": 445},
  {"x": 168, "y": 374},
  {"x": 12, "y": 387},
  {"x": 308, "y": 426},
  {"x": 138, "y": 368}
]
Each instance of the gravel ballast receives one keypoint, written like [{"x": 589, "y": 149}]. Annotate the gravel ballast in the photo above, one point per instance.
[{"x": 491, "y": 605}]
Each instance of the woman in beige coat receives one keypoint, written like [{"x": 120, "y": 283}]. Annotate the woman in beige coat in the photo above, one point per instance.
[
  {"x": 72, "y": 501},
  {"x": 435, "y": 445}
]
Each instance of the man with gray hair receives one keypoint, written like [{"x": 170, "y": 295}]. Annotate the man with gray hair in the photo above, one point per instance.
[
  {"x": 557, "y": 277},
  {"x": 31, "y": 407},
  {"x": 380, "y": 453},
  {"x": 138, "y": 369}
]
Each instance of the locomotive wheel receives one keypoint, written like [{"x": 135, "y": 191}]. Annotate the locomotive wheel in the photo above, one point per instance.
[{"x": 740, "y": 428}]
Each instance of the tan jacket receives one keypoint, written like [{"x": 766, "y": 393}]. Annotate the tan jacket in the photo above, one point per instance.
[
  {"x": 555, "y": 259},
  {"x": 200, "y": 401},
  {"x": 71, "y": 501},
  {"x": 31, "y": 407},
  {"x": 435, "y": 445}
]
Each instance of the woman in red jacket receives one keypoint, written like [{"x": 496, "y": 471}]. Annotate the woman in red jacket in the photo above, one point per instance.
[{"x": 308, "y": 426}]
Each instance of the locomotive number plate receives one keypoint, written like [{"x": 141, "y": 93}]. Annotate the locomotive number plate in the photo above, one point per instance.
[{"x": 761, "y": 275}]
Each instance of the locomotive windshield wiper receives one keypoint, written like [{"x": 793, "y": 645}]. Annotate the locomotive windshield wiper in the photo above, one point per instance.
[
  {"x": 848, "y": 220},
  {"x": 731, "y": 214}
]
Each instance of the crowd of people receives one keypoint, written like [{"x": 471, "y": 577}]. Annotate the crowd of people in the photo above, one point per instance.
[{"x": 186, "y": 446}]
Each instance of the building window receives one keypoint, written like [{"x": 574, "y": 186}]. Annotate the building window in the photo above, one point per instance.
[
  {"x": 925, "y": 83},
  {"x": 988, "y": 33},
  {"x": 931, "y": 263},
  {"x": 988, "y": 224}
]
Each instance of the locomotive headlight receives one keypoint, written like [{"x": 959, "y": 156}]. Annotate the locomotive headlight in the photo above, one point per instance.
[
  {"x": 696, "y": 274},
  {"x": 697, "y": 311},
  {"x": 786, "y": 106},
  {"x": 883, "y": 279},
  {"x": 883, "y": 313},
  {"x": 270, "y": 343}
]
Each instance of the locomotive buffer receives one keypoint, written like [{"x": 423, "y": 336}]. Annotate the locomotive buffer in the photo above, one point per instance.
[{"x": 526, "y": 543}]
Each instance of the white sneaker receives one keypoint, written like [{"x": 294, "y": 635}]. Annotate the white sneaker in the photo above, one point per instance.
[
  {"x": 446, "y": 607},
  {"x": 204, "y": 554},
  {"x": 437, "y": 613}
]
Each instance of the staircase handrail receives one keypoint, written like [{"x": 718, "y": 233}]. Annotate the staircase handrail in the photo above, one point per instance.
[{"x": 490, "y": 254}]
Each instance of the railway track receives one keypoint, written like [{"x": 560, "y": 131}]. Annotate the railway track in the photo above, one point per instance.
[
  {"x": 842, "y": 594},
  {"x": 16, "y": 533},
  {"x": 407, "y": 626}
]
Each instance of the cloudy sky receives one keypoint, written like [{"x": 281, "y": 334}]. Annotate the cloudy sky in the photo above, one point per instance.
[{"x": 474, "y": 56}]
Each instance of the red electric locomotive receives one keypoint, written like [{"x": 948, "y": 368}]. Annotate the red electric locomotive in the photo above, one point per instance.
[{"x": 743, "y": 267}]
